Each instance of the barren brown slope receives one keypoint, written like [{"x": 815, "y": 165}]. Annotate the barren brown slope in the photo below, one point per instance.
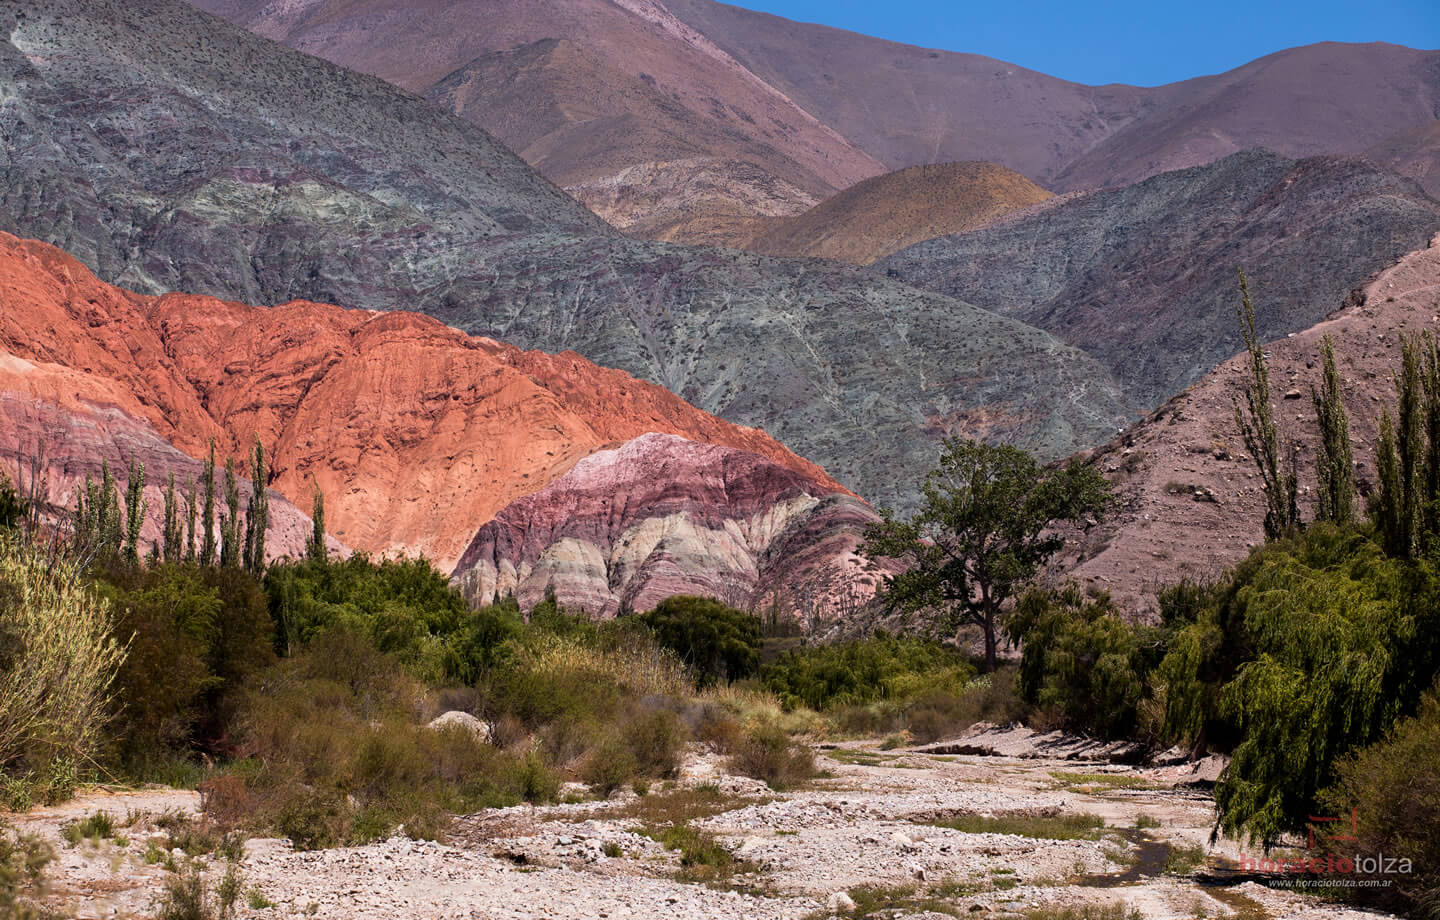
[
  {"x": 416, "y": 432},
  {"x": 1414, "y": 153},
  {"x": 880, "y": 216},
  {"x": 1191, "y": 499},
  {"x": 908, "y": 105},
  {"x": 612, "y": 85}
]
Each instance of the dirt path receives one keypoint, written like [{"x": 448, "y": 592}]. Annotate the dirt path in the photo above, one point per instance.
[{"x": 876, "y": 820}]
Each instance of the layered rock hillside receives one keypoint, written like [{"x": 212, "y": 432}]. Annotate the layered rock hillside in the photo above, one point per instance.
[
  {"x": 627, "y": 527},
  {"x": 1191, "y": 503},
  {"x": 417, "y": 433},
  {"x": 238, "y": 168},
  {"x": 1144, "y": 277},
  {"x": 879, "y": 216}
]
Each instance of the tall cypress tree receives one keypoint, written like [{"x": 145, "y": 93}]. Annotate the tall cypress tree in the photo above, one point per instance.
[
  {"x": 173, "y": 534},
  {"x": 1257, "y": 427},
  {"x": 257, "y": 520},
  {"x": 317, "y": 551},
  {"x": 207, "y": 547},
  {"x": 230, "y": 526},
  {"x": 190, "y": 511},
  {"x": 134, "y": 509},
  {"x": 1334, "y": 461}
]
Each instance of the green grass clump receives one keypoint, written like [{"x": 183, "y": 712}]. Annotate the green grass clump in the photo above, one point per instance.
[
  {"x": 1184, "y": 859},
  {"x": 1086, "y": 782},
  {"x": 95, "y": 828},
  {"x": 1043, "y": 827}
]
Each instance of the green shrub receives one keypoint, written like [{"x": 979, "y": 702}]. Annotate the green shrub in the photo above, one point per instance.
[
  {"x": 768, "y": 754},
  {"x": 1391, "y": 791},
  {"x": 58, "y": 659},
  {"x": 882, "y": 667},
  {"x": 715, "y": 641},
  {"x": 609, "y": 766},
  {"x": 1082, "y": 660},
  {"x": 22, "y": 863},
  {"x": 656, "y": 739}
]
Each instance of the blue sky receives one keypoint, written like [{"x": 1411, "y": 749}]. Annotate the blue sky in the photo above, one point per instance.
[{"x": 1122, "y": 42}]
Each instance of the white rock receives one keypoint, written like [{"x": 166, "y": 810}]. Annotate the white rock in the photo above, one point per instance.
[
  {"x": 457, "y": 719},
  {"x": 840, "y": 902}
]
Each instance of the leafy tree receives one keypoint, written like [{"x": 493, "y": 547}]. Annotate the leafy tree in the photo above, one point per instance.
[
  {"x": 1334, "y": 461},
  {"x": 230, "y": 526},
  {"x": 172, "y": 534},
  {"x": 716, "y": 641},
  {"x": 190, "y": 509},
  {"x": 879, "y": 667},
  {"x": 135, "y": 505},
  {"x": 1407, "y": 508},
  {"x": 1082, "y": 659},
  {"x": 257, "y": 518},
  {"x": 1257, "y": 427},
  {"x": 12, "y": 504},
  {"x": 207, "y": 546},
  {"x": 983, "y": 532},
  {"x": 317, "y": 551}
]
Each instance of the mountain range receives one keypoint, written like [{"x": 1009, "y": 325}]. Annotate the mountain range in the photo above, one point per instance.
[
  {"x": 237, "y": 168},
  {"x": 670, "y": 117}
]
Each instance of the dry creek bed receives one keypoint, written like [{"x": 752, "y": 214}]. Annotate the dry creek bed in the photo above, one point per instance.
[{"x": 870, "y": 821}]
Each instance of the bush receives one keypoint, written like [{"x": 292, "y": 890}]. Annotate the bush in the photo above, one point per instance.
[
  {"x": 1082, "y": 660},
  {"x": 768, "y": 754},
  {"x": 1393, "y": 791},
  {"x": 22, "y": 864},
  {"x": 716, "y": 642},
  {"x": 609, "y": 766},
  {"x": 882, "y": 667},
  {"x": 196, "y": 634},
  {"x": 58, "y": 659}
]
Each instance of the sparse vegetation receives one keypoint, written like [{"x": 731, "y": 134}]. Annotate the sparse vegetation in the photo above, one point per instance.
[{"x": 1046, "y": 827}]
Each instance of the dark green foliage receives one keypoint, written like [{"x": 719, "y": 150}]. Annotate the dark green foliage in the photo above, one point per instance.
[
  {"x": 196, "y": 634},
  {"x": 190, "y": 510},
  {"x": 1316, "y": 647},
  {"x": 1082, "y": 661},
  {"x": 881, "y": 667},
  {"x": 172, "y": 533},
  {"x": 715, "y": 641},
  {"x": 1392, "y": 790},
  {"x": 1257, "y": 427},
  {"x": 135, "y": 506},
  {"x": 404, "y": 607},
  {"x": 207, "y": 515},
  {"x": 984, "y": 530},
  {"x": 1335, "y": 466},
  {"x": 12, "y": 503},
  {"x": 1407, "y": 508},
  {"x": 230, "y": 524},
  {"x": 257, "y": 514},
  {"x": 317, "y": 550}
]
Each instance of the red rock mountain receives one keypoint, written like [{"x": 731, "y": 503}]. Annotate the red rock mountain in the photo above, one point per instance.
[
  {"x": 1414, "y": 153},
  {"x": 1191, "y": 499},
  {"x": 417, "y": 433}
]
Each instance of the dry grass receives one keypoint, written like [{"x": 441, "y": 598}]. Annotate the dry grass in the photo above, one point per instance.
[{"x": 57, "y": 662}]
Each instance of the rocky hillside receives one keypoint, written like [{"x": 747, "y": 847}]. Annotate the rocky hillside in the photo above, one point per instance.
[
  {"x": 906, "y": 105},
  {"x": 613, "y": 101},
  {"x": 768, "y": 110},
  {"x": 627, "y": 527},
  {"x": 417, "y": 433},
  {"x": 1144, "y": 277},
  {"x": 241, "y": 169},
  {"x": 879, "y": 216},
  {"x": 1191, "y": 502},
  {"x": 1414, "y": 153}
]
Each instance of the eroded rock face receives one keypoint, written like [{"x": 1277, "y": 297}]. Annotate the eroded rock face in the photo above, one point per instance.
[
  {"x": 417, "y": 433},
  {"x": 660, "y": 515}
]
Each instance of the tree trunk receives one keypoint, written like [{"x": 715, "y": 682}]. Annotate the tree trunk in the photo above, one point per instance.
[{"x": 991, "y": 651}]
